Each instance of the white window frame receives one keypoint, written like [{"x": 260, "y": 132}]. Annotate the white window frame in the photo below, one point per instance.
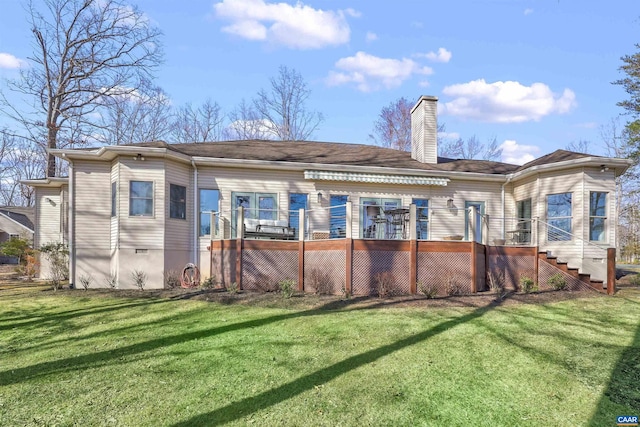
[
  {"x": 185, "y": 202},
  {"x": 604, "y": 218},
  {"x": 153, "y": 202}
]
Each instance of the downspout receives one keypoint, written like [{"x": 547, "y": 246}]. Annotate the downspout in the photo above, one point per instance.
[
  {"x": 504, "y": 232},
  {"x": 72, "y": 223},
  {"x": 196, "y": 243}
]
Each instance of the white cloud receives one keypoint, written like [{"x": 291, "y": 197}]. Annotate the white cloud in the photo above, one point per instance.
[
  {"x": 443, "y": 55},
  {"x": 9, "y": 61},
  {"x": 449, "y": 135},
  {"x": 528, "y": 11},
  {"x": 294, "y": 26},
  {"x": 371, "y": 73},
  {"x": 505, "y": 102},
  {"x": 518, "y": 154},
  {"x": 424, "y": 83},
  {"x": 370, "y": 37}
]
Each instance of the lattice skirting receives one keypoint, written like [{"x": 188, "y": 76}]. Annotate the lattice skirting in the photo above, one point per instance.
[
  {"x": 448, "y": 272},
  {"x": 547, "y": 270},
  {"x": 262, "y": 270},
  {"x": 368, "y": 264},
  {"x": 324, "y": 271},
  {"x": 513, "y": 267}
]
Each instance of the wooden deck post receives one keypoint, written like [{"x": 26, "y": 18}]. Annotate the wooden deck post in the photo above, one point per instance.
[
  {"x": 301, "y": 228},
  {"x": 348, "y": 251},
  {"x": 413, "y": 249},
  {"x": 611, "y": 271}
]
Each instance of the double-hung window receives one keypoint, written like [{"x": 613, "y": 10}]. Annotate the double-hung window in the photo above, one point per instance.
[
  {"x": 141, "y": 198},
  {"x": 597, "y": 216},
  {"x": 177, "y": 201},
  {"x": 559, "y": 217},
  {"x": 208, "y": 203}
]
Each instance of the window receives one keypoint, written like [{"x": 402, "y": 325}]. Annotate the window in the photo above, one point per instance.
[
  {"x": 256, "y": 206},
  {"x": 114, "y": 198},
  {"x": 177, "y": 201},
  {"x": 422, "y": 218},
  {"x": 373, "y": 222},
  {"x": 479, "y": 212},
  {"x": 522, "y": 234},
  {"x": 597, "y": 216},
  {"x": 141, "y": 198},
  {"x": 208, "y": 203},
  {"x": 559, "y": 217},
  {"x": 337, "y": 216},
  {"x": 297, "y": 201}
]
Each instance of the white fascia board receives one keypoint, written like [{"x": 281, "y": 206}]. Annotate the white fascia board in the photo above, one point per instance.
[
  {"x": 618, "y": 164},
  {"x": 46, "y": 182},
  {"x": 298, "y": 166},
  {"x": 110, "y": 152}
]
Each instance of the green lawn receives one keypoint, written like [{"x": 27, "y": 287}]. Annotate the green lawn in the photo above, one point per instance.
[{"x": 85, "y": 359}]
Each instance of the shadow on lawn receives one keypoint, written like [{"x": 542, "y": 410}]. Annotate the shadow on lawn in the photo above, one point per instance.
[
  {"x": 249, "y": 405},
  {"x": 26, "y": 320},
  {"x": 623, "y": 388}
]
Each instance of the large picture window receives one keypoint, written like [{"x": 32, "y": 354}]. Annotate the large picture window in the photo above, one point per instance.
[
  {"x": 597, "y": 216},
  {"x": 297, "y": 201},
  {"x": 208, "y": 203},
  {"x": 141, "y": 198},
  {"x": 256, "y": 206},
  {"x": 177, "y": 201},
  {"x": 337, "y": 216},
  {"x": 559, "y": 217}
]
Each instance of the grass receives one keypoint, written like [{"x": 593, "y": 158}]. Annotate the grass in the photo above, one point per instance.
[{"x": 80, "y": 358}]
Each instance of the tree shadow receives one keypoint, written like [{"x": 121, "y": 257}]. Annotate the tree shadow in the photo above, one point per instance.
[
  {"x": 244, "y": 407},
  {"x": 622, "y": 395}
]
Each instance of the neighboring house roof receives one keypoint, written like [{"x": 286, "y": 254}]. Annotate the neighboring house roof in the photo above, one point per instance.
[{"x": 20, "y": 218}]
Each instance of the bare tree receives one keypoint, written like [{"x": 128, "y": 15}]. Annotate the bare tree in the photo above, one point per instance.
[
  {"x": 247, "y": 124},
  {"x": 284, "y": 107},
  {"x": 20, "y": 160},
  {"x": 581, "y": 146},
  {"x": 84, "y": 51},
  {"x": 392, "y": 128},
  {"x": 202, "y": 124},
  {"x": 471, "y": 148},
  {"x": 143, "y": 115}
]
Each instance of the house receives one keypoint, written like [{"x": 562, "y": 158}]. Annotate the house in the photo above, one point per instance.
[
  {"x": 15, "y": 222},
  {"x": 259, "y": 211}
]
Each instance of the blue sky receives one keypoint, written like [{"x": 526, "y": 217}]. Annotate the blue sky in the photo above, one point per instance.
[{"x": 534, "y": 74}]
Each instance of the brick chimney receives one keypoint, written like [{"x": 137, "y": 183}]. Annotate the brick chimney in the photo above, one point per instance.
[{"x": 424, "y": 130}]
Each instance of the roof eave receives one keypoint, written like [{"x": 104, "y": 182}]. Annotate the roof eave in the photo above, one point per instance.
[
  {"x": 300, "y": 166},
  {"x": 620, "y": 166},
  {"x": 53, "y": 182}
]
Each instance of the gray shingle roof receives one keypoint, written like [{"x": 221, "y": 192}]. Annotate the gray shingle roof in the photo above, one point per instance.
[{"x": 18, "y": 217}]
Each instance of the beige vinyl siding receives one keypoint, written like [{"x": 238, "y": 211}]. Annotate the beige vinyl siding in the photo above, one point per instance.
[
  {"x": 443, "y": 223},
  {"x": 92, "y": 207},
  {"x": 178, "y": 232},
  {"x": 141, "y": 237},
  {"x": 47, "y": 221}
]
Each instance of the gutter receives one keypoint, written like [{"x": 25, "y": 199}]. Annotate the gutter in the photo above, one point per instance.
[
  {"x": 71, "y": 225},
  {"x": 503, "y": 205},
  {"x": 196, "y": 242}
]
